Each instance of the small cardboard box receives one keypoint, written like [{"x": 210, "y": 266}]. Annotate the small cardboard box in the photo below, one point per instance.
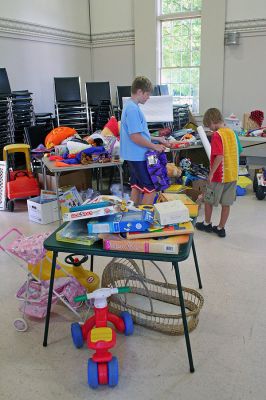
[
  {"x": 171, "y": 212},
  {"x": 42, "y": 213},
  {"x": 189, "y": 203},
  {"x": 199, "y": 185}
]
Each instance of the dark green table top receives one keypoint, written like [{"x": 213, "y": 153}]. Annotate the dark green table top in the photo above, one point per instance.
[{"x": 96, "y": 250}]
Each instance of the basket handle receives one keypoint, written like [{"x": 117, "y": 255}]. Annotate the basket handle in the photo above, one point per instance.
[{"x": 145, "y": 287}]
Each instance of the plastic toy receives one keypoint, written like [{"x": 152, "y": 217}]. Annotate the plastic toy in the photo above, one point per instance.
[
  {"x": 259, "y": 184},
  {"x": 20, "y": 183},
  {"x": 86, "y": 278},
  {"x": 102, "y": 367}
]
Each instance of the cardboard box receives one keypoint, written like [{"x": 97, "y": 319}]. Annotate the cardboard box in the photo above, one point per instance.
[
  {"x": 193, "y": 208},
  {"x": 171, "y": 212},
  {"x": 82, "y": 179},
  {"x": 165, "y": 245},
  {"x": 42, "y": 213},
  {"x": 199, "y": 185}
]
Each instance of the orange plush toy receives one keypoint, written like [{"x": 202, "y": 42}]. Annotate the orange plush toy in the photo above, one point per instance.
[
  {"x": 112, "y": 128},
  {"x": 57, "y": 135}
]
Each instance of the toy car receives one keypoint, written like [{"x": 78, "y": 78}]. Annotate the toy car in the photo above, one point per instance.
[
  {"x": 102, "y": 367},
  {"x": 20, "y": 183}
]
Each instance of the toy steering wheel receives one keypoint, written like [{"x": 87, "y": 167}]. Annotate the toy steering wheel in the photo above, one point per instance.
[{"x": 72, "y": 259}]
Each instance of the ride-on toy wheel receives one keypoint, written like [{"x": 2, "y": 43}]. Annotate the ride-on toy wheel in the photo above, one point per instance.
[
  {"x": 255, "y": 183},
  {"x": 10, "y": 205},
  {"x": 261, "y": 192},
  {"x": 113, "y": 375},
  {"x": 128, "y": 321},
  {"x": 76, "y": 333},
  {"x": 92, "y": 374}
]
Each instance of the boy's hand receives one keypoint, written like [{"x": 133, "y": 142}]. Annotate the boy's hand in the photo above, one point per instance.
[
  {"x": 163, "y": 141},
  {"x": 158, "y": 147}
]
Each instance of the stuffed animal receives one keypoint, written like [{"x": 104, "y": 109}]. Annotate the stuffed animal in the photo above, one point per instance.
[
  {"x": 112, "y": 128},
  {"x": 173, "y": 171},
  {"x": 57, "y": 135}
]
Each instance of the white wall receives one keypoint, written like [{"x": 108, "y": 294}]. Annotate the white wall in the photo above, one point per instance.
[
  {"x": 244, "y": 67},
  {"x": 33, "y": 54},
  {"x": 113, "y": 49},
  {"x": 111, "y": 15},
  {"x": 71, "y": 15},
  {"x": 238, "y": 10}
]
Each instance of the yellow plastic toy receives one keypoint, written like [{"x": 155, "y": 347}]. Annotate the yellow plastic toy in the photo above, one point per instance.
[{"x": 86, "y": 278}]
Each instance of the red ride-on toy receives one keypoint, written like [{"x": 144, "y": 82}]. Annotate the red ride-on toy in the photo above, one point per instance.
[
  {"x": 20, "y": 183},
  {"x": 102, "y": 367}
]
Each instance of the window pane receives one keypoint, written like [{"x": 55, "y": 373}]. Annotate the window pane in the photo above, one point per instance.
[
  {"x": 166, "y": 76},
  {"x": 176, "y": 6}
]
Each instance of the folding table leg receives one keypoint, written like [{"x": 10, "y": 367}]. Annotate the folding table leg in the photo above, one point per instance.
[
  {"x": 184, "y": 318},
  {"x": 91, "y": 266},
  {"x": 196, "y": 263},
  {"x": 50, "y": 294}
]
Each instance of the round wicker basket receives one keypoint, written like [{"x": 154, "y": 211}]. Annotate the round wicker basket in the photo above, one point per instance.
[{"x": 125, "y": 272}]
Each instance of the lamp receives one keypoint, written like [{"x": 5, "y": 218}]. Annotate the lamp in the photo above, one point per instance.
[{"x": 232, "y": 38}]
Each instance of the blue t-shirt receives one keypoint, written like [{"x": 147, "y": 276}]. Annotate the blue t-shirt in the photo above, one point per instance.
[{"x": 133, "y": 121}]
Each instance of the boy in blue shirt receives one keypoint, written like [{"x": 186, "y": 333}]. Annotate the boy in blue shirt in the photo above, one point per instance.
[{"x": 135, "y": 141}]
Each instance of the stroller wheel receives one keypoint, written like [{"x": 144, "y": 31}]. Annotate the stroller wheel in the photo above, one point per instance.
[{"x": 20, "y": 325}]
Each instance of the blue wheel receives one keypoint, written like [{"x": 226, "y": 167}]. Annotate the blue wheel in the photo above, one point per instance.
[
  {"x": 93, "y": 381},
  {"x": 113, "y": 376},
  {"x": 76, "y": 333},
  {"x": 128, "y": 321}
]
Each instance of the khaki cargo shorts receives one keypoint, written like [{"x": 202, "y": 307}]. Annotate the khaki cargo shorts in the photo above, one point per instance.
[{"x": 220, "y": 193}]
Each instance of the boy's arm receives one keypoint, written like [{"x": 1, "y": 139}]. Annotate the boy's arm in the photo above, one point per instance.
[
  {"x": 217, "y": 161},
  {"x": 141, "y": 141},
  {"x": 161, "y": 140}
]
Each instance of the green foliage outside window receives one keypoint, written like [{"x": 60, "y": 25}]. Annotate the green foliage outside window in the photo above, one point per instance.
[{"x": 180, "y": 51}]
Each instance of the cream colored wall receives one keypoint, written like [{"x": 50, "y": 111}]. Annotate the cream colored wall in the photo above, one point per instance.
[
  {"x": 41, "y": 39},
  {"x": 63, "y": 14},
  {"x": 244, "y": 68},
  {"x": 111, "y": 15},
  {"x": 238, "y": 10}
]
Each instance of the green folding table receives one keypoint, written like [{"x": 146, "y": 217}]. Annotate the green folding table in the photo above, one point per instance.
[{"x": 96, "y": 250}]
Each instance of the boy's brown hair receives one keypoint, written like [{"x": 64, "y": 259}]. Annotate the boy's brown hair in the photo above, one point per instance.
[
  {"x": 143, "y": 83},
  {"x": 212, "y": 115}
]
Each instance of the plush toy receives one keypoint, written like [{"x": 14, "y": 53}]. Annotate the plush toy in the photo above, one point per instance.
[
  {"x": 112, "y": 128},
  {"x": 185, "y": 164},
  {"x": 173, "y": 171},
  {"x": 57, "y": 135},
  {"x": 257, "y": 116}
]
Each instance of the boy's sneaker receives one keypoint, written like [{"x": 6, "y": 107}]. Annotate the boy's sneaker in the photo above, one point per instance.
[
  {"x": 202, "y": 227},
  {"x": 220, "y": 232}
]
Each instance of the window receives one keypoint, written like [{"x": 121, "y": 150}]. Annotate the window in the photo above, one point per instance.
[{"x": 180, "y": 35}]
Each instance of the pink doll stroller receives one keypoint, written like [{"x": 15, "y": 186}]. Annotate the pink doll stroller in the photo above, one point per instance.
[{"x": 34, "y": 292}]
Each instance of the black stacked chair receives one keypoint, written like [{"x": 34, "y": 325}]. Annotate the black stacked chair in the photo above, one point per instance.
[
  {"x": 70, "y": 110},
  {"x": 23, "y": 113},
  {"x": 45, "y": 120},
  {"x": 122, "y": 91},
  {"x": 98, "y": 97},
  {"x": 181, "y": 116},
  {"x": 6, "y": 116},
  {"x": 163, "y": 89}
]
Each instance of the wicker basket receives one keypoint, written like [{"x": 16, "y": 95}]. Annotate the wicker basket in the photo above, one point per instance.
[{"x": 124, "y": 272}]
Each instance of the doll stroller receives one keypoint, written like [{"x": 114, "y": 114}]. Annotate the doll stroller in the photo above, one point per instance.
[{"x": 34, "y": 292}]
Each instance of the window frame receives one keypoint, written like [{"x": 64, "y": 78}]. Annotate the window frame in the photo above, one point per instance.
[{"x": 174, "y": 17}]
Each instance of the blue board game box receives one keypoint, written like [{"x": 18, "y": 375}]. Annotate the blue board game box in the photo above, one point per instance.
[{"x": 131, "y": 221}]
